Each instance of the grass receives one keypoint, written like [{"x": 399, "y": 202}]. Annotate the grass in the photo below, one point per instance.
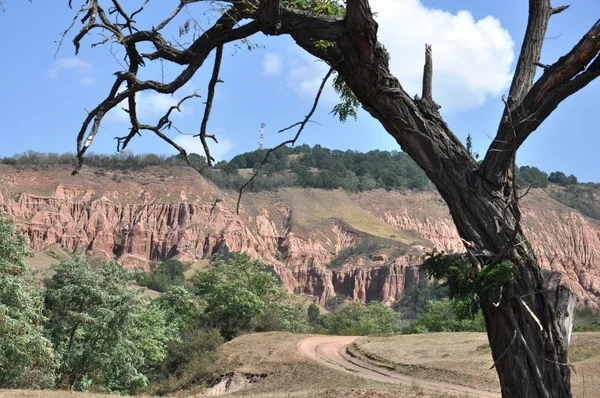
[
  {"x": 312, "y": 207},
  {"x": 465, "y": 358}
]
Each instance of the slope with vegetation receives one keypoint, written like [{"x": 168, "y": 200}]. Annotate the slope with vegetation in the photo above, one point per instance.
[{"x": 318, "y": 167}]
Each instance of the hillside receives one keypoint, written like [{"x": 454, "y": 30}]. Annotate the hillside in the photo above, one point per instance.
[{"x": 171, "y": 211}]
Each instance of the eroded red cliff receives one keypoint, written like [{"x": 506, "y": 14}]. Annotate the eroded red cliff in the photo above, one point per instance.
[{"x": 172, "y": 212}]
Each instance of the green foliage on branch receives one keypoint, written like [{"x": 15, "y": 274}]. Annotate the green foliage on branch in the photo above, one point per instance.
[
  {"x": 25, "y": 354},
  {"x": 103, "y": 334},
  {"x": 467, "y": 283},
  {"x": 358, "y": 319},
  {"x": 350, "y": 103},
  {"x": 320, "y": 7},
  {"x": 235, "y": 289}
]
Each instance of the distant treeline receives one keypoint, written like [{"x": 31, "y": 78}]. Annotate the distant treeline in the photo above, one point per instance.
[{"x": 319, "y": 167}]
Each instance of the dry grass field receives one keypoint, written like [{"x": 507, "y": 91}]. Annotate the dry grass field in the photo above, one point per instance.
[
  {"x": 465, "y": 358},
  {"x": 279, "y": 370}
]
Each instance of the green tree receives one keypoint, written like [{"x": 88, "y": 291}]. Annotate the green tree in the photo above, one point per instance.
[
  {"x": 558, "y": 177},
  {"x": 163, "y": 275},
  {"x": 234, "y": 288},
  {"x": 415, "y": 298},
  {"x": 533, "y": 176},
  {"x": 447, "y": 316},
  {"x": 181, "y": 308},
  {"x": 358, "y": 319},
  {"x": 104, "y": 335},
  {"x": 281, "y": 315},
  {"x": 23, "y": 347},
  {"x": 314, "y": 314},
  {"x": 334, "y": 302}
]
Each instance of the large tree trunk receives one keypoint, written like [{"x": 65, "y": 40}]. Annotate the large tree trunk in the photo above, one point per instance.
[
  {"x": 528, "y": 346},
  {"x": 529, "y": 352}
]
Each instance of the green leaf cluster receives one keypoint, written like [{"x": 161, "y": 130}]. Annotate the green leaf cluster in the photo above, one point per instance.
[
  {"x": 358, "y": 319},
  {"x": 333, "y": 8},
  {"x": 23, "y": 347},
  {"x": 104, "y": 335},
  {"x": 234, "y": 288},
  {"x": 466, "y": 282}
]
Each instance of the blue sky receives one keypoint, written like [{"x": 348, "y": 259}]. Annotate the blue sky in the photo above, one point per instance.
[{"x": 475, "y": 43}]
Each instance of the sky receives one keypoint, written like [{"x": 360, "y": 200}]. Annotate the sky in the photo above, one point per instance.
[{"x": 44, "y": 94}]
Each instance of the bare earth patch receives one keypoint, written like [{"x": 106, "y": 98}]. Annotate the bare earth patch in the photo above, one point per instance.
[{"x": 289, "y": 373}]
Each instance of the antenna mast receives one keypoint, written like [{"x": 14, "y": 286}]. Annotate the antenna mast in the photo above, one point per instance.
[{"x": 262, "y": 136}]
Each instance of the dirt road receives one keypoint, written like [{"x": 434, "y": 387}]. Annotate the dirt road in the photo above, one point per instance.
[{"x": 331, "y": 352}]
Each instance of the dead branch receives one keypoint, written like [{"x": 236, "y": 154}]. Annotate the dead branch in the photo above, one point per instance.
[
  {"x": 292, "y": 141},
  {"x": 163, "y": 123},
  {"x": 211, "y": 94},
  {"x": 522, "y": 116},
  {"x": 427, "y": 75}
]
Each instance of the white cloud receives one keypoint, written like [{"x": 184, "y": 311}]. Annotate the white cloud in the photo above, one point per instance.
[
  {"x": 75, "y": 64},
  {"x": 150, "y": 107},
  {"x": 272, "y": 64},
  {"x": 306, "y": 76},
  {"x": 471, "y": 59},
  {"x": 218, "y": 151}
]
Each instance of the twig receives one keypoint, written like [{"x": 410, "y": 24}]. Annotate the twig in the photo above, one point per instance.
[
  {"x": 209, "y": 101},
  {"x": 505, "y": 351},
  {"x": 292, "y": 141}
]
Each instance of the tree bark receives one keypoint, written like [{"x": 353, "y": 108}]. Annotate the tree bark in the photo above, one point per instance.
[{"x": 529, "y": 351}]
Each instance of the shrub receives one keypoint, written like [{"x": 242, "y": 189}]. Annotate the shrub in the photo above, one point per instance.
[
  {"x": 358, "y": 319},
  {"x": 235, "y": 289},
  {"x": 193, "y": 360},
  {"x": 282, "y": 316},
  {"x": 163, "y": 275},
  {"x": 334, "y": 302},
  {"x": 586, "y": 319},
  {"x": 447, "y": 316}
]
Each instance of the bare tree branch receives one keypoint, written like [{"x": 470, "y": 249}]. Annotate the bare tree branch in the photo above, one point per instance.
[
  {"x": 560, "y": 80},
  {"x": 211, "y": 94},
  {"x": 292, "y": 141},
  {"x": 531, "y": 49}
]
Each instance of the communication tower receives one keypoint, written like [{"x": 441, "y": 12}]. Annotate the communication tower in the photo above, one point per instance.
[{"x": 262, "y": 136}]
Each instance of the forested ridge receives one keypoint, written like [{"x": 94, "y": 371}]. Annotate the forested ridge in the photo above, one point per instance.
[{"x": 320, "y": 167}]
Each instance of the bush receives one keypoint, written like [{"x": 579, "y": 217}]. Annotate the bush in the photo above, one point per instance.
[
  {"x": 193, "y": 360},
  {"x": 357, "y": 319},
  {"x": 163, "y": 275},
  {"x": 447, "y": 316},
  {"x": 182, "y": 309},
  {"x": 586, "y": 319},
  {"x": 282, "y": 316},
  {"x": 334, "y": 302},
  {"x": 415, "y": 299}
]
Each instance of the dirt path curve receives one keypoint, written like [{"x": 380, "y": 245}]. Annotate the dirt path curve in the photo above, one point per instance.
[{"x": 331, "y": 352}]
